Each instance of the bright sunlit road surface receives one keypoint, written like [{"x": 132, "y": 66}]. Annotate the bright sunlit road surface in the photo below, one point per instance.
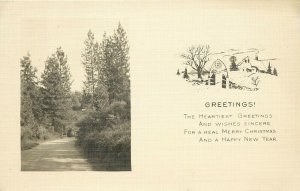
[{"x": 56, "y": 155}]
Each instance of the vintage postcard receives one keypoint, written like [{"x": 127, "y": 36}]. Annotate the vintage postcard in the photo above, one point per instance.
[{"x": 153, "y": 95}]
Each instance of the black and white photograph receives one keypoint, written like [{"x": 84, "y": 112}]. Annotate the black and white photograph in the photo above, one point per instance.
[{"x": 75, "y": 121}]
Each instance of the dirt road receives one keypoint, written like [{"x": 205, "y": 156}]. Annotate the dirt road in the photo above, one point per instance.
[{"x": 56, "y": 155}]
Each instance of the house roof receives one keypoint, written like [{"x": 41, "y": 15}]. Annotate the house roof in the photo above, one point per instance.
[{"x": 241, "y": 57}]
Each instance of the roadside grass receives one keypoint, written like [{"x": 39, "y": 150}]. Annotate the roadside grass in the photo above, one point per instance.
[
  {"x": 28, "y": 144},
  {"x": 30, "y": 137}
]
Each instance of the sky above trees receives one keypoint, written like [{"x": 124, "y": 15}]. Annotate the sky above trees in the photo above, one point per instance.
[{"x": 70, "y": 34}]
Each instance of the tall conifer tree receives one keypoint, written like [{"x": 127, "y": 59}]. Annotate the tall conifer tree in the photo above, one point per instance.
[
  {"x": 89, "y": 60},
  {"x": 56, "y": 90},
  {"x": 115, "y": 65},
  {"x": 30, "y": 100}
]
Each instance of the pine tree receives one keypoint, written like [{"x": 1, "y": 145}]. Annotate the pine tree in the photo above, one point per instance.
[
  {"x": 102, "y": 56},
  {"x": 275, "y": 72},
  {"x": 51, "y": 103},
  {"x": 56, "y": 90},
  {"x": 101, "y": 97},
  {"x": 115, "y": 65},
  {"x": 29, "y": 87},
  {"x": 27, "y": 117},
  {"x": 76, "y": 100},
  {"x": 108, "y": 76},
  {"x": 233, "y": 65},
  {"x": 89, "y": 60},
  {"x": 269, "y": 71},
  {"x": 178, "y": 73},
  {"x": 64, "y": 83},
  {"x": 185, "y": 75},
  {"x": 121, "y": 57},
  {"x": 107, "y": 69},
  {"x": 122, "y": 50},
  {"x": 105, "y": 61}
]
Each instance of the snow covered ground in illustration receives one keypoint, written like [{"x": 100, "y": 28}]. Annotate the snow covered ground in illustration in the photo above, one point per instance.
[{"x": 244, "y": 79}]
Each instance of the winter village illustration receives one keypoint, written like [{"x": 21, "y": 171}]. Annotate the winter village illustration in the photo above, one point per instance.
[{"x": 231, "y": 69}]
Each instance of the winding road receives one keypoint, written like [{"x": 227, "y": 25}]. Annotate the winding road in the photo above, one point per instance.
[{"x": 57, "y": 155}]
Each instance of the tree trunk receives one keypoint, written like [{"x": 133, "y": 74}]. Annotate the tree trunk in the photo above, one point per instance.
[{"x": 199, "y": 72}]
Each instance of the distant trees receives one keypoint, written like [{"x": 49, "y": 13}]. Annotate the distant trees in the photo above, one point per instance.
[
  {"x": 269, "y": 70},
  {"x": 185, "y": 74},
  {"x": 178, "y": 73},
  {"x": 197, "y": 57},
  {"x": 76, "y": 99},
  {"x": 233, "y": 65},
  {"x": 275, "y": 72}
]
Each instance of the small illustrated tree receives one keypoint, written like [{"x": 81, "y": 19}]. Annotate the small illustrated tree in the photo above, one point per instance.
[
  {"x": 233, "y": 65},
  {"x": 178, "y": 73},
  {"x": 275, "y": 72},
  {"x": 196, "y": 57},
  {"x": 255, "y": 80},
  {"x": 185, "y": 74},
  {"x": 212, "y": 79},
  {"x": 269, "y": 71}
]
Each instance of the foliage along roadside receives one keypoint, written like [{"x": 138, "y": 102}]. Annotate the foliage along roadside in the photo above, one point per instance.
[{"x": 104, "y": 134}]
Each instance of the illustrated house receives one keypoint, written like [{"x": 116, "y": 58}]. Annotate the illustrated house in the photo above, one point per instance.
[
  {"x": 255, "y": 65},
  {"x": 254, "y": 69},
  {"x": 245, "y": 65},
  {"x": 218, "y": 74}
]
